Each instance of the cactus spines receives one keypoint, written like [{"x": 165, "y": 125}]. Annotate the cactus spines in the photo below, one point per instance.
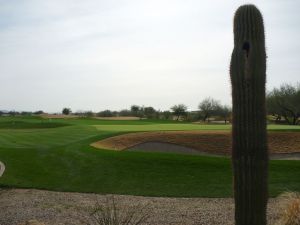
[{"x": 249, "y": 136}]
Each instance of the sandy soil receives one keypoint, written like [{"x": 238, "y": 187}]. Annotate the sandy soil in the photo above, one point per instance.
[
  {"x": 58, "y": 116},
  {"x": 213, "y": 142},
  {"x": 62, "y": 116},
  {"x": 57, "y": 208}
]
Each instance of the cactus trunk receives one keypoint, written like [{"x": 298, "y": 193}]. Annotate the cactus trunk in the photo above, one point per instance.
[{"x": 249, "y": 145}]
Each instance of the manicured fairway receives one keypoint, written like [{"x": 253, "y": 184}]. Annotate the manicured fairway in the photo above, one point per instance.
[{"x": 60, "y": 158}]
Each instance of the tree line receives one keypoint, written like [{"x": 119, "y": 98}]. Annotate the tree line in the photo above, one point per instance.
[
  {"x": 208, "y": 108},
  {"x": 283, "y": 106}
]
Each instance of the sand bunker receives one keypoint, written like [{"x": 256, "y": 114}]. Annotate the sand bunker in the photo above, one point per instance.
[
  {"x": 209, "y": 142},
  {"x": 58, "y": 116},
  {"x": 164, "y": 147},
  {"x": 172, "y": 148}
]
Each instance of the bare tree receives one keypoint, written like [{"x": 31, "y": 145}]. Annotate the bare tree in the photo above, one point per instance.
[
  {"x": 285, "y": 102},
  {"x": 149, "y": 112},
  {"x": 179, "y": 110},
  {"x": 166, "y": 114},
  {"x": 224, "y": 111},
  {"x": 208, "y": 107},
  {"x": 136, "y": 110}
]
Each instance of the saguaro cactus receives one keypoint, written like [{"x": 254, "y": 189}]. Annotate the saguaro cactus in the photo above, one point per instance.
[{"x": 249, "y": 145}]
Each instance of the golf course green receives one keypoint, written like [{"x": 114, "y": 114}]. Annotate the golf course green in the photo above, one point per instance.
[{"x": 55, "y": 154}]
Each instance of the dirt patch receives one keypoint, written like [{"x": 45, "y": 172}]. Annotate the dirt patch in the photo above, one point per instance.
[
  {"x": 19, "y": 205},
  {"x": 213, "y": 142}
]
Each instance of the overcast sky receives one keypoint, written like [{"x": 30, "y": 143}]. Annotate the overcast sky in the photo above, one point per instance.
[{"x": 99, "y": 54}]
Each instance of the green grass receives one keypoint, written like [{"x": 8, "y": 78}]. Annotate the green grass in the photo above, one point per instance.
[
  {"x": 29, "y": 125},
  {"x": 61, "y": 159},
  {"x": 45, "y": 138}
]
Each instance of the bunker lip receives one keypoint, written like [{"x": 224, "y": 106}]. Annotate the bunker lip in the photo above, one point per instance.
[{"x": 282, "y": 145}]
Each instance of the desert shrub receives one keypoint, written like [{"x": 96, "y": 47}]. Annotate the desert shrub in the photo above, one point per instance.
[
  {"x": 289, "y": 208},
  {"x": 66, "y": 111},
  {"x": 125, "y": 112},
  {"x": 88, "y": 113},
  {"x": 110, "y": 213},
  {"x": 166, "y": 115},
  {"x": 284, "y": 102},
  {"x": 38, "y": 112},
  {"x": 180, "y": 111},
  {"x": 105, "y": 113},
  {"x": 193, "y": 116}
]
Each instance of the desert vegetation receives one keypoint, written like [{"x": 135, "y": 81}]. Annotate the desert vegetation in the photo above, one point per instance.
[
  {"x": 111, "y": 213},
  {"x": 289, "y": 208},
  {"x": 284, "y": 102},
  {"x": 282, "y": 108}
]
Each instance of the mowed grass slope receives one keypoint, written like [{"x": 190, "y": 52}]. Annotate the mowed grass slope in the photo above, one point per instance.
[{"x": 60, "y": 158}]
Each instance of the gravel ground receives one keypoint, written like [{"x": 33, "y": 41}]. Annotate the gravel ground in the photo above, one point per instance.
[{"x": 57, "y": 208}]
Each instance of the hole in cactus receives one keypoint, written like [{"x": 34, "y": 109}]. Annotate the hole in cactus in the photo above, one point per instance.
[{"x": 246, "y": 47}]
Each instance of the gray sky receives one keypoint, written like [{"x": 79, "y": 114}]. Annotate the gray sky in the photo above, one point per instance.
[{"x": 99, "y": 54}]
